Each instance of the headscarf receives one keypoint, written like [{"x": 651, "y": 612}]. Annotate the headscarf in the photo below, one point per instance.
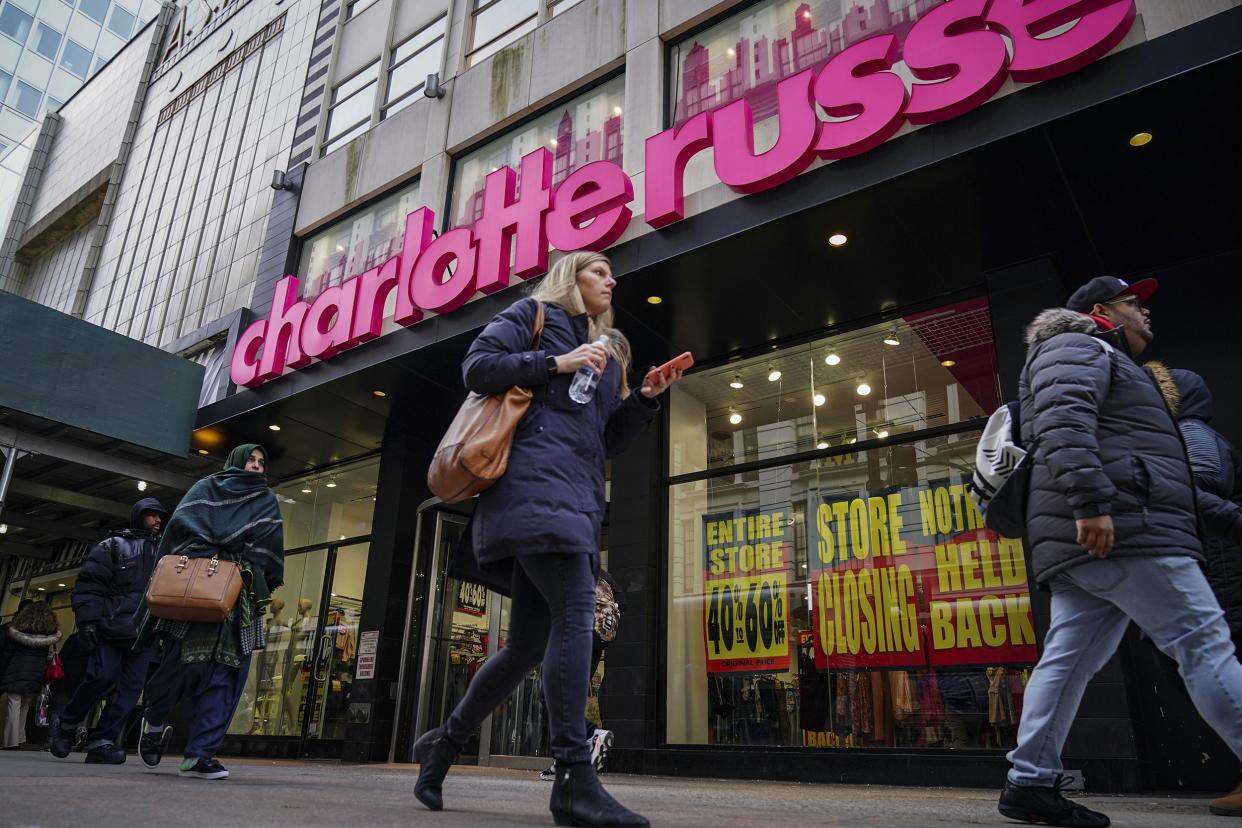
[{"x": 237, "y": 457}]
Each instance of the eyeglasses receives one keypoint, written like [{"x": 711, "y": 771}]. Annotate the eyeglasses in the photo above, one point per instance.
[{"x": 1132, "y": 301}]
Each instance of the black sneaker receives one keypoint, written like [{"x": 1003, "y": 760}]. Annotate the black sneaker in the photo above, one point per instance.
[
  {"x": 1046, "y": 805},
  {"x": 548, "y": 774},
  {"x": 62, "y": 741},
  {"x": 205, "y": 769},
  {"x": 105, "y": 755},
  {"x": 151, "y": 746}
]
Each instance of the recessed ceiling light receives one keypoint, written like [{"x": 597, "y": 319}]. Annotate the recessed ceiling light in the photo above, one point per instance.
[
  {"x": 142, "y": 485},
  {"x": 948, "y": 363},
  {"x": 737, "y": 382},
  {"x": 863, "y": 389},
  {"x": 61, "y": 585},
  {"x": 819, "y": 399},
  {"x": 654, "y": 300},
  {"x": 616, "y": 110},
  {"x": 853, "y": 440},
  {"x": 552, "y": 143},
  {"x": 273, "y": 427},
  {"x": 4, "y": 528},
  {"x": 832, "y": 359},
  {"x": 881, "y": 434},
  {"x": 380, "y": 393},
  {"x": 774, "y": 373},
  {"x": 837, "y": 239},
  {"x": 41, "y": 589},
  {"x": 341, "y": 538},
  {"x": 822, "y": 444},
  {"x": 735, "y": 418},
  {"x": 202, "y": 451},
  {"x": 1140, "y": 139}
]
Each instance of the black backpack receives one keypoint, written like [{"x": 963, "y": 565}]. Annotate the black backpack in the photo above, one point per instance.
[{"x": 1002, "y": 478}]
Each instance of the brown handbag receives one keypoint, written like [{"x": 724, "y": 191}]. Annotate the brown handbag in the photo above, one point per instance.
[
  {"x": 474, "y": 452},
  {"x": 193, "y": 589}
]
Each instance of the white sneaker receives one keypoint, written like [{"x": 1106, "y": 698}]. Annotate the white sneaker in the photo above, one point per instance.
[{"x": 601, "y": 743}]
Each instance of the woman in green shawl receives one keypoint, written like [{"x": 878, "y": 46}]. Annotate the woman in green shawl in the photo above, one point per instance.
[{"x": 235, "y": 515}]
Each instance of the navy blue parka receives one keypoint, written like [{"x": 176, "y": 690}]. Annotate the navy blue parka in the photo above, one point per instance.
[
  {"x": 114, "y": 577},
  {"x": 551, "y": 498}
]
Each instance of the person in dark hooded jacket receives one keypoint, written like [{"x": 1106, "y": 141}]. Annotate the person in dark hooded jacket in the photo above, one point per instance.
[
  {"x": 110, "y": 586},
  {"x": 541, "y": 520},
  {"x": 24, "y": 652},
  {"x": 1113, "y": 530}
]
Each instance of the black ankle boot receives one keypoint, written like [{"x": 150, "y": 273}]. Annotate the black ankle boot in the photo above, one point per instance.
[
  {"x": 434, "y": 753},
  {"x": 579, "y": 799}
]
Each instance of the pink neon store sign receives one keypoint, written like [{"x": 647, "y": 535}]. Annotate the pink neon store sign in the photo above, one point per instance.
[{"x": 956, "y": 51}]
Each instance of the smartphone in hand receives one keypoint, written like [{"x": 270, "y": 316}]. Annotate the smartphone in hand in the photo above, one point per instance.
[{"x": 684, "y": 362}]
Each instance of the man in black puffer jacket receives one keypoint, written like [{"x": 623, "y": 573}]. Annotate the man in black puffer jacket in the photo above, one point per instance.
[
  {"x": 1113, "y": 532},
  {"x": 110, "y": 586}
]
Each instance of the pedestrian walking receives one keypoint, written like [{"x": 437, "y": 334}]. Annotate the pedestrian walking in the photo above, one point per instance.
[
  {"x": 109, "y": 588},
  {"x": 609, "y": 608},
  {"x": 235, "y": 515},
  {"x": 542, "y": 520},
  {"x": 25, "y": 650},
  {"x": 1217, "y": 470},
  {"x": 1112, "y": 525}
]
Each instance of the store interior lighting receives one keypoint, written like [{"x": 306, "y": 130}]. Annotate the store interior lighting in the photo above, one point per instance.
[
  {"x": 863, "y": 389},
  {"x": 948, "y": 363},
  {"x": 837, "y": 239},
  {"x": 734, "y": 417},
  {"x": 832, "y": 359},
  {"x": 819, "y": 399},
  {"x": 1140, "y": 139},
  {"x": 774, "y": 373},
  {"x": 822, "y": 444},
  {"x": 737, "y": 382},
  {"x": 331, "y": 484},
  {"x": 273, "y": 427},
  {"x": 892, "y": 339},
  {"x": 142, "y": 485}
]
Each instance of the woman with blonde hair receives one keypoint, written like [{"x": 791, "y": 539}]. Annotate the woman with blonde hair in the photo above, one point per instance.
[{"x": 537, "y": 529}]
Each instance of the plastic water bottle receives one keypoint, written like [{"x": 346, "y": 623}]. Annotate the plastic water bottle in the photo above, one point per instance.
[{"x": 582, "y": 389}]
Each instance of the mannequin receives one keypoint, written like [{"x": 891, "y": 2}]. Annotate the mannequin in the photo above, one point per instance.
[
  {"x": 302, "y": 645},
  {"x": 273, "y": 668}
]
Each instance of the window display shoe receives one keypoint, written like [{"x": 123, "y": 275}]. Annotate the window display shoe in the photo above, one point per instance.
[
  {"x": 105, "y": 755},
  {"x": 601, "y": 743},
  {"x": 151, "y": 745},
  {"x": 1228, "y": 805},
  {"x": 1046, "y": 806},
  {"x": 435, "y": 754},
  {"x": 203, "y": 769},
  {"x": 548, "y": 774}
]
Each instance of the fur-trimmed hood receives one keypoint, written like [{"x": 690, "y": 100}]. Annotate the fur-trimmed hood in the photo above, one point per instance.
[
  {"x": 1185, "y": 392},
  {"x": 33, "y": 639},
  {"x": 1163, "y": 375},
  {"x": 1055, "y": 321}
]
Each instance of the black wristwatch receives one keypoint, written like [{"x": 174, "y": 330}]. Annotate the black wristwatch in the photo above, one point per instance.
[{"x": 551, "y": 366}]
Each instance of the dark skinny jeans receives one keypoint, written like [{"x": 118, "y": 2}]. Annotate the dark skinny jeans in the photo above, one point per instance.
[{"x": 550, "y": 621}]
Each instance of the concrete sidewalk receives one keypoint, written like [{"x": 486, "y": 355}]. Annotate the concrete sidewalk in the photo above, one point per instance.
[{"x": 39, "y": 790}]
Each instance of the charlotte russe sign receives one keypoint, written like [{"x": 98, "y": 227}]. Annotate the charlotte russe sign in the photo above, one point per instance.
[{"x": 957, "y": 53}]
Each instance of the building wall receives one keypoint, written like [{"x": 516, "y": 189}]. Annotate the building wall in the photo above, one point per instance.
[
  {"x": 52, "y": 278},
  {"x": 192, "y": 207}
]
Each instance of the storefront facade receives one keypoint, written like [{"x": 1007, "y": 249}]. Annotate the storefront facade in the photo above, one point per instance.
[{"x": 847, "y": 212}]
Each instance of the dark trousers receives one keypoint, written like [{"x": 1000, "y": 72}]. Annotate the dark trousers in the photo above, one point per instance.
[
  {"x": 214, "y": 689},
  {"x": 553, "y": 611},
  {"x": 114, "y": 672}
]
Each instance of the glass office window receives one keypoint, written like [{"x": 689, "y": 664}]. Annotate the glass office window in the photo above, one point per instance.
[
  {"x": 357, "y": 7},
  {"x": 412, "y": 61},
  {"x": 350, "y": 112},
  {"x": 558, "y": 6},
  {"x": 497, "y": 23},
  {"x": 5, "y": 81},
  {"x": 77, "y": 59},
  {"x": 26, "y": 99},
  {"x": 96, "y": 10},
  {"x": 47, "y": 41},
  {"x": 15, "y": 23},
  {"x": 121, "y": 22}
]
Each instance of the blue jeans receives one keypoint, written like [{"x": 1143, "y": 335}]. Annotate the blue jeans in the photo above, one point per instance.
[
  {"x": 550, "y": 621},
  {"x": 1170, "y": 600},
  {"x": 114, "y": 672},
  {"x": 213, "y": 688}
]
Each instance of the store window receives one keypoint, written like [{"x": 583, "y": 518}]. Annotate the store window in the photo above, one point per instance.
[
  {"x": 585, "y": 129},
  {"x": 350, "y": 112},
  {"x": 850, "y": 598},
  {"x": 15, "y": 23},
  {"x": 356, "y": 244},
  {"x": 301, "y": 683},
  {"x": 745, "y": 56},
  {"x": 412, "y": 61},
  {"x": 497, "y": 23}
]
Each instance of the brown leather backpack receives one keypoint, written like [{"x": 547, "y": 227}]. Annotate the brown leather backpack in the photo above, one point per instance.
[{"x": 474, "y": 452}]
